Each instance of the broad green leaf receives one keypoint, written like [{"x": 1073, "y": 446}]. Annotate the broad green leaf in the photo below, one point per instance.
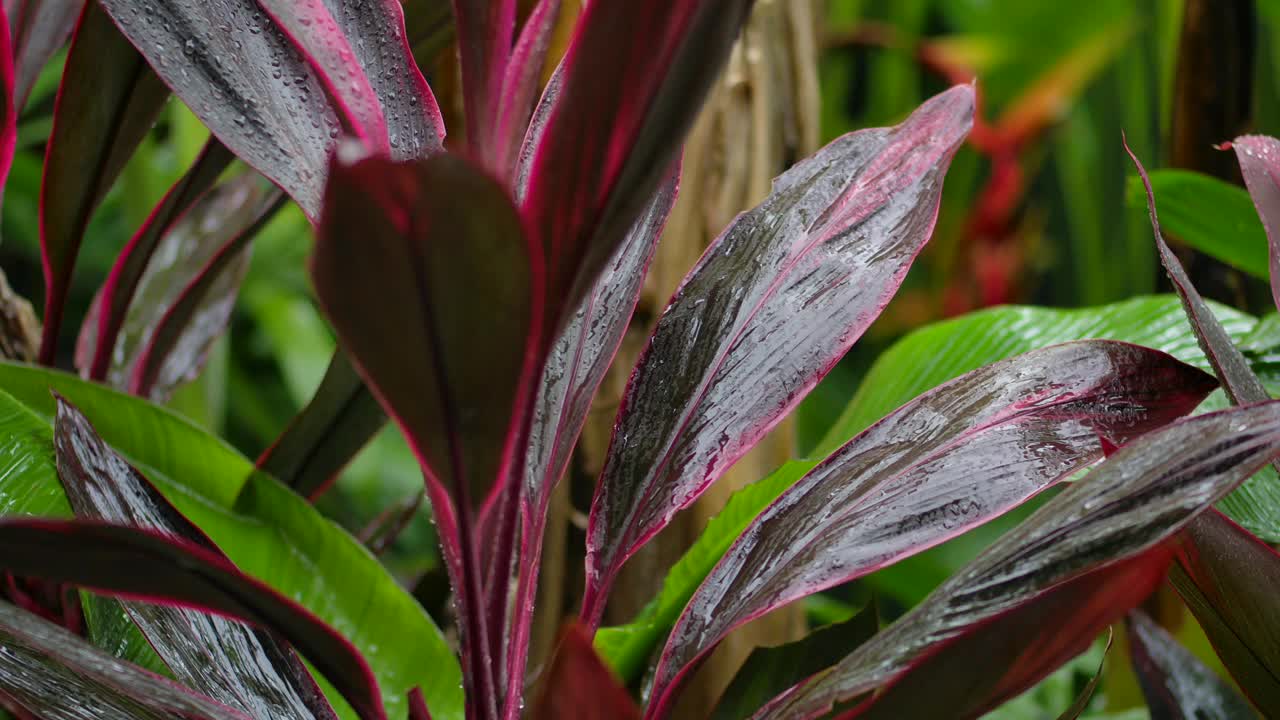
[
  {"x": 267, "y": 531},
  {"x": 1208, "y": 214}
]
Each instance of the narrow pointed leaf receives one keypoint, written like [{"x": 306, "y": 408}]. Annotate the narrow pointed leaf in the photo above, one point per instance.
[
  {"x": 1211, "y": 215},
  {"x": 578, "y": 685},
  {"x": 1176, "y": 684},
  {"x": 9, "y": 107},
  {"x": 236, "y": 665},
  {"x": 57, "y": 675},
  {"x": 520, "y": 83},
  {"x": 979, "y": 446},
  {"x": 1238, "y": 380},
  {"x": 992, "y": 662},
  {"x": 265, "y": 529},
  {"x": 179, "y": 342},
  {"x": 39, "y": 29},
  {"x": 485, "y": 30},
  {"x": 1227, "y": 577},
  {"x": 106, "y": 104},
  {"x": 98, "y": 333},
  {"x": 149, "y": 566},
  {"x": 769, "y": 671},
  {"x": 342, "y": 417},
  {"x": 635, "y": 75},
  {"x": 774, "y": 303},
  {"x": 190, "y": 247},
  {"x": 1082, "y": 700},
  {"x": 240, "y": 74},
  {"x": 573, "y": 371},
  {"x": 418, "y": 706},
  {"x": 1143, "y": 494},
  {"x": 1260, "y": 164}
]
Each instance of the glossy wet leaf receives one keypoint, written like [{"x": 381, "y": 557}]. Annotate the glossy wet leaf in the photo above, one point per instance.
[
  {"x": 39, "y": 29},
  {"x": 365, "y": 58},
  {"x": 342, "y": 417},
  {"x": 265, "y": 529},
  {"x": 574, "y": 369},
  {"x": 485, "y": 30},
  {"x": 433, "y": 253},
  {"x": 1143, "y": 494},
  {"x": 773, "y": 304},
  {"x": 579, "y": 685},
  {"x": 1176, "y": 684},
  {"x": 1210, "y": 215},
  {"x": 197, "y": 316},
  {"x": 961, "y": 344},
  {"x": 1226, "y": 577},
  {"x": 96, "y": 344},
  {"x": 58, "y": 676},
  {"x": 1260, "y": 165},
  {"x": 108, "y": 101},
  {"x": 232, "y": 65},
  {"x": 948, "y": 461},
  {"x": 236, "y": 665},
  {"x": 149, "y": 566},
  {"x": 768, "y": 671},
  {"x": 992, "y": 662},
  {"x": 634, "y": 77},
  {"x": 205, "y": 242}
]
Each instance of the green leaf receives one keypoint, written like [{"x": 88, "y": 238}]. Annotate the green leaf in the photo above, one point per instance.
[
  {"x": 769, "y": 671},
  {"x": 266, "y": 530},
  {"x": 1210, "y": 215}
]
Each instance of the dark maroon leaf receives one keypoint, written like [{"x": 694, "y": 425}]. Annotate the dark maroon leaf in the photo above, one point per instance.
[
  {"x": 241, "y": 667},
  {"x": 102, "y": 325},
  {"x": 485, "y": 29},
  {"x": 1238, "y": 380},
  {"x": 179, "y": 344},
  {"x": 200, "y": 248},
  {"x": 363, "y": 54},
  {"x": 634, "y": 78},
  {"x": 1259, "y": 158},
  {"x": 56, "y": 675},
  {"x": 433, "y": 255},
  {"x": 1228, "y": 578},
  {"x": 952, "y": 459},
  {"x": 768, "y": 671},
  {"x": 520, "y": 84},
  {"x": 39, "y": 28},
  {"x": 106, "y": 104},
  {"x": 148, "y": 566},
  {"x": 574, "y": 369},
  {"x": 1081, "y": 702},
  {"x": 1176, "y": 684},
  {"x": 992, "y": 662},
  {"x": 418, "y": 706},
  {"x": 579, "y": 685},
  {"x": 8, "y": 103},
  {"x": 771, "y": 307},
  {"x": 1138, "y": 498},
  {"x": 342, "y": 417}
]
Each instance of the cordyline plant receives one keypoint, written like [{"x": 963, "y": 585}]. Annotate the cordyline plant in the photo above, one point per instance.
[{"x": 478, "y": 296}]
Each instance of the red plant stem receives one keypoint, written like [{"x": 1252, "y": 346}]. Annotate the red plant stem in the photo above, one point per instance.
[{"x": 531, "y": 530}]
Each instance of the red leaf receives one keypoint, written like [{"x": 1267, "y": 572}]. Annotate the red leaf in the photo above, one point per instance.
[
  {"x": 38, "y": 30},
  {"x": 579, "y": 686},
  {"x": 1259, "y": 158},
  {"x": 1176, "y": 684},
  {"x": 774, "y": 303},
  {"x": 978, "y": 446},
  {"x": 107, "y": 103},
  {"x": 1228, "y": 578},
  {"x": 633, "y": 80},
  {"x": 432, "y": 254}
]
